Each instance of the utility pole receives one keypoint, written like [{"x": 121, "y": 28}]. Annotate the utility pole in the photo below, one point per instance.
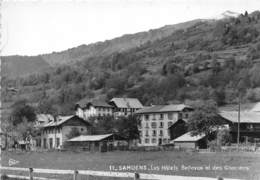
[{"x": 238, "y": 123}]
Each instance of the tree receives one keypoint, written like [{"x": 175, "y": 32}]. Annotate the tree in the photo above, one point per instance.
[
  {"x": 204, "y": 119},
  {"x": 25, "y": 128},
  {"x": 128, "y": 127},
  {"x": 102, "y": 124},
  {"x": 20, "y": 110},
  {"x": 124, "y": 126}
]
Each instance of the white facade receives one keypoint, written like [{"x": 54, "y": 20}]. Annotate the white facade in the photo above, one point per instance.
[
  {"x": 124, "y": 111},
  {"x": 85, "y": 113},
  {"x": 154, "y": 128}
]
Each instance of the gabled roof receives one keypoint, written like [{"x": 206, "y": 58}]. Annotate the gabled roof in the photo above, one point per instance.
[
  {"x": 63, "y": 119},
  {"x": 83, "y": 102},
  {"x": 100, "y": 137},
  {"x": 187, "y": 137},
  {"x": 99, "y": 103},
  {"x": 44, "y": 118},
  {"x": 90, "y": 137},
  {"x": 245, "y": 116},
  {"x": 96, "y": 103},
  {"x": 163, "y": 108},
  {"x": 256, "y": 108},
  {"x": 127, "y": 103}
]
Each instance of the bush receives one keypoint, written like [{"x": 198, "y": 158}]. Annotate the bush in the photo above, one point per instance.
[{"x": 214, "y": 145}]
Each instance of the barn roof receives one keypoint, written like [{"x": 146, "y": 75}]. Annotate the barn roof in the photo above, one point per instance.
[
  {"x": 256, "y": 108},
  {"x": 127, "y": 103},
  {"x": 163, "y": 108},
  {"x": 90, "y": 137},
  {"x": 245, "y": 116},
  {"x": 188, "y": 138}
]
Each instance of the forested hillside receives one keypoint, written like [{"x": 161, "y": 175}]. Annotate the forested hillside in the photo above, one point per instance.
[{"x": 209, "y": 60}]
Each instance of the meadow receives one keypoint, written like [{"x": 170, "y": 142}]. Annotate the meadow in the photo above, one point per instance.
[{"x": 242, "y": 165}]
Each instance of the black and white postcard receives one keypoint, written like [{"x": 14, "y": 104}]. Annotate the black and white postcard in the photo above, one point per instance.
[{"x": 130, "y": 89}]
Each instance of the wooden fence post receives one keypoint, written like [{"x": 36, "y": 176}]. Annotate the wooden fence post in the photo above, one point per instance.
[
  {"x": 75, "y": 175},
  {"x": 136, "y": 176},
  {"x": 31, "y": 173},
  {"x": 220, "y": 178}
]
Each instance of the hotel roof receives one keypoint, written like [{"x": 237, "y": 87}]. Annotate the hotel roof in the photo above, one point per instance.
[
  {"x": 127, "y": 103},
  {"x": 163, "y": 108}
]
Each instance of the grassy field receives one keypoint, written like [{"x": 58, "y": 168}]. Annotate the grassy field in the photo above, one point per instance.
[{"x": 232, "y": 164}]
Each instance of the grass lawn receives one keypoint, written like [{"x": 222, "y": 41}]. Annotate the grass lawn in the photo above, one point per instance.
[{"x": 227, "y": 164}]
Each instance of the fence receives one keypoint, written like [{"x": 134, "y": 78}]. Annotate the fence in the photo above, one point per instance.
[{"x": 89, "y": 173}]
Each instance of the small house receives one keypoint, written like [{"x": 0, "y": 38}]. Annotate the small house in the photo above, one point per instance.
[
  {"x": 188, "y": 141},
  {"x": 55, "y": 133}
]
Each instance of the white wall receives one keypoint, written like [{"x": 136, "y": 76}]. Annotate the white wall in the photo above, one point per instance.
[{"x": 154, "y": 118}]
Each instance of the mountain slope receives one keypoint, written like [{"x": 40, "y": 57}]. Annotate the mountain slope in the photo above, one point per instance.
[
  {"x": 16, "y": 66},
  {"x": 209, "y": 60}
]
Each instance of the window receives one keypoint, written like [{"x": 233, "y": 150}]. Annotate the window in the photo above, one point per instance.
[
  {"x": 170, "y": 116},
  {"x": 146, "y": 117},
  {"x": 140, "y": 133},
  {"x": 186, "y": 115},
  {"x": 146, "y": 133},
  {"x": 146, "y": 126},
  {"x": 180, "y": 115},
  {"x": 57, "y": 142},
  {"x": 161, "y": 133},
  {"x": 154, "y": 132},
  {"x": 169, "y": 123},
  {"x": 153, "y": 124},
  {"x": 161, "y": 116},
  {"x": 44, "y": 143},
  {"x": 161, "y": 124},
  {"x": 153, "y": 140},
  {"x": 154, "y": 117},
  {"x": 147, "y": 141},
  {"x": 50, "y": 143}
]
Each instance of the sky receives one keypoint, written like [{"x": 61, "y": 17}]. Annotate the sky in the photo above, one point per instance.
[{"x": 33, "y": 27}]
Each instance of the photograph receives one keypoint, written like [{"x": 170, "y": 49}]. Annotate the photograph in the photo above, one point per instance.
[{"x": 130, "y": 90}]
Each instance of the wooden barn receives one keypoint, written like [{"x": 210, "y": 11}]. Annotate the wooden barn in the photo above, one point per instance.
[{"x": 101, "y": 143}]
